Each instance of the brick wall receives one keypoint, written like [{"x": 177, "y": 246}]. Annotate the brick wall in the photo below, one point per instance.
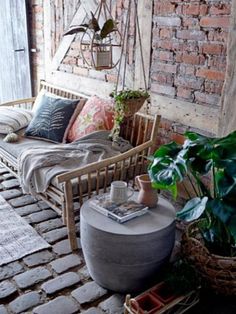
[
  {"x": 189, "y": 49},
  {"x": 36, "y": 40},
  {"x": 189, "y": 54}
]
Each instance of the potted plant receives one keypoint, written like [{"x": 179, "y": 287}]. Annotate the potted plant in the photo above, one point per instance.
[
  {"x": 210, "y": 166},
  {"x": 99, "y": 40},
  {"x": 127, "y": 102}
]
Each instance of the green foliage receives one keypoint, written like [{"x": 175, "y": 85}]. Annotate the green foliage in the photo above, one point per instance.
[
  {"x": 100, "y": 33},
  {"x": 216, "y": 202},
  {"x": 121, "y": 106}
]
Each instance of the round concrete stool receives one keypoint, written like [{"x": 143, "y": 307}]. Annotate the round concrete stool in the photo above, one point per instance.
[{"x": 125, "y": 257}]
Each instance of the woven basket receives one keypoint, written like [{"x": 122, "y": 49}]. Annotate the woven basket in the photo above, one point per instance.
[
  {"x": 218, "y": 271},
  {"x": 133, "y": 105}
]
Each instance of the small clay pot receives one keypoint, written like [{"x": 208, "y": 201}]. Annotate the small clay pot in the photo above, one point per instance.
[{"x": 147, "y": 195}]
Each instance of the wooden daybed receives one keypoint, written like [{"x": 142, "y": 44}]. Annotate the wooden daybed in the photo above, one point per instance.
[{"x": 71, "y": 188}]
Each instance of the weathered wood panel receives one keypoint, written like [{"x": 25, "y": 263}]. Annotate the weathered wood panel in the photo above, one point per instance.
[
  {"x": 15, "y": 80},
  {"x": 84, "y": 85},
  {"x": 145, "y": 9},
  {"x": 196, "y": 116}
]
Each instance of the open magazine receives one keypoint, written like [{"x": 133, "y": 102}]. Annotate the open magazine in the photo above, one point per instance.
[{"x": 118, "y": 212}]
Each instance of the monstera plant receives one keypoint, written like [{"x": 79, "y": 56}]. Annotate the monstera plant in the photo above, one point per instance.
[{"x": 210, "y": 166}]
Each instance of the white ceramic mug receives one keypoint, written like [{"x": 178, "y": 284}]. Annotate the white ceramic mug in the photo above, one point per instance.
[{"x": 120, "y": 192}]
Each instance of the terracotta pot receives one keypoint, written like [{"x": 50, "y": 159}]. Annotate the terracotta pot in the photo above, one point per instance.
[
  {"x": 164, "y": 293},
  {"x": 146, "y": 304},
  {"x": 147, "y": 195}
]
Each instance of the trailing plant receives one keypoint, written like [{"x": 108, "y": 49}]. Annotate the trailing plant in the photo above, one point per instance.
[
  {"x": 198, "y": 157},
  {"x": 99, "y": 33},
  {"x": 123, "y": 100}
]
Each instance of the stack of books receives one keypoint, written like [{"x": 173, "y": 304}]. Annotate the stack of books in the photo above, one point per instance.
[{"x": 118, "y": 212}]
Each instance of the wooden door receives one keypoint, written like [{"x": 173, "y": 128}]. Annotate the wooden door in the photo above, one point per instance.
[{"x": 15, "y": 79}]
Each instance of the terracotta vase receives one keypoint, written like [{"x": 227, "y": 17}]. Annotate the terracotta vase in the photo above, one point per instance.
[{"x": 147, "y": 195}]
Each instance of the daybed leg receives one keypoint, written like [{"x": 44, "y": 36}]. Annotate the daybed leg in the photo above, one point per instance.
[{"x": 70, "y": 217}]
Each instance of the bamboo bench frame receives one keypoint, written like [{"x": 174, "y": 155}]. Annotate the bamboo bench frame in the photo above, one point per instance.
[{"x": 141, "y": 131}]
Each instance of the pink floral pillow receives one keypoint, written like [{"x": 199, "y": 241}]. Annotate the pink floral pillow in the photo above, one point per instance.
[{"x": 97, "y": 114}]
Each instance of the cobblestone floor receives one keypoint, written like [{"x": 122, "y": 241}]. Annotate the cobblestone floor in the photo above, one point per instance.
[
  {"x": 55, "y": 281},
  {"x": 52, "y": 281}
]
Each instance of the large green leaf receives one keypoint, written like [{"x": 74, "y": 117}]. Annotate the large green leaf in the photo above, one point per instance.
[
  {"x": 171, "y": 150},
  {"x": 108, "y": 27},
  {"x": 193, "y": 209},
  {"x": 222, "y": 209},
  {"x": 224, "y": 183},
  {"x": 232, "y": 226}
]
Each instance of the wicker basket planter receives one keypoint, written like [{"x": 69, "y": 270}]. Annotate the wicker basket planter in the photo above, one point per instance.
[
  {"x": 218, "y": 271},
  {"x": 133, "y": 105}
]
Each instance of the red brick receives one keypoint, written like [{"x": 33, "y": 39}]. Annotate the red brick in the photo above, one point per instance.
[
  {"x": 178, "y": 56},
  {"x": 166, "y": 56},
  {"x": 184, "y": 93},
  {"x": 218, "y": 35},
  {"x": 220, "y": 9},
  {"x": 218, "y": 62},
  {"x": 179, "y": 9},
  {"x": 163, "y": 7},
  {"x": 213, "y": 49},
  {"x": 166, "y": 33},
  {"x": 191, "y": 22},
  {"x": 163, "y": 78},
  {"x": 217, "y": 22},
  {"x": 203, "y": 9},
  {"x": 190, "y": 34},
  {"x": 210, "y": 99},
  {"x": 189, "y": 82},
  {"x": 178, "y": 138},
  {"x": 168, "y": 21},
  {"x": 192, "y": 59},
  {"x": 163, "y": 44},
  {"x": 214, "y": 87},
  {"x": 186, "y": 70},
  {"x": 210, "y": 74},
  {"x": 191, "y": 9},
  {"x": 166, "y": 67}
]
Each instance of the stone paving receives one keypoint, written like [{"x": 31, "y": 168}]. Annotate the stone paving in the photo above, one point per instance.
[{"x": 53, "y": 280}]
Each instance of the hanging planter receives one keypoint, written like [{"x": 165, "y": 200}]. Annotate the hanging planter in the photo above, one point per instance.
[
  {"x": 100, "y": 37},
  {"x": 127, "y": 103}
]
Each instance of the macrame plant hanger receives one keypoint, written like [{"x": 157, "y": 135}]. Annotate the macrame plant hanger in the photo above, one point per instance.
[{"x": 124, "y": 51}]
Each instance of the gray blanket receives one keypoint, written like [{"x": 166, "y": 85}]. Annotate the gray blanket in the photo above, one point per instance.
[{"x": 37, "y": 166}]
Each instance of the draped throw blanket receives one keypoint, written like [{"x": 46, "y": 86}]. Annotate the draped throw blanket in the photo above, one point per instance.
[
  {"x": 227, "y": 121},
  {"x": 37, "y": 166}
]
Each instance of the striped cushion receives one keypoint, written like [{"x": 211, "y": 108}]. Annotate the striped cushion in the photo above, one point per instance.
[{"x": 14, "y": 119}]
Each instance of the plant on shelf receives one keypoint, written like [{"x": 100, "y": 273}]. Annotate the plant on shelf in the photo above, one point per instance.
[
  {"x": 213, "y": 208},
  {"x": 127, "y": 102}
]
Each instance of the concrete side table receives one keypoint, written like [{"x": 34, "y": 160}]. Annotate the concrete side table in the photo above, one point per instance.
[{"x": 125, "y": 257}]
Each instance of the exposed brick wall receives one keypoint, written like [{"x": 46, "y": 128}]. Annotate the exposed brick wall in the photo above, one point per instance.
[
  {"x": 189, "y": 49},
  {"x": 36, "y": 40}
]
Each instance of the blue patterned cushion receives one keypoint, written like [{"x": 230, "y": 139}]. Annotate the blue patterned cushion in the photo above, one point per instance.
[{"x": 53, "y": 118}]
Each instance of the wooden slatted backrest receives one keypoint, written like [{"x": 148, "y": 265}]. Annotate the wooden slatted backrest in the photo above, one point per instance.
[
  {"x": 62, "y": 92},
  {"x": 137, "y": 129}
]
